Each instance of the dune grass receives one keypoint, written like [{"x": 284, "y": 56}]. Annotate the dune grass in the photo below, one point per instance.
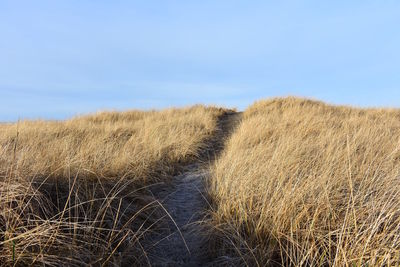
[
  {"x": 303, "y": 183},
  {"x": 139, "y": 145},
  {"x": 74, "y": 192}
]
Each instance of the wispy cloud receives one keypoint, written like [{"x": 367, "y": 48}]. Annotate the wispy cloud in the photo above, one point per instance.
[
  {"x": 61, "y": 103},
  {"x": 64, "y": 57}
]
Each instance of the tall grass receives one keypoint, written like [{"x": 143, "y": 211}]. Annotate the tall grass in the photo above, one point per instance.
[
  {"x": 74, "y": 192},
  {"x": 139, "y": 145},
  {"x": 303, "y": 183}
]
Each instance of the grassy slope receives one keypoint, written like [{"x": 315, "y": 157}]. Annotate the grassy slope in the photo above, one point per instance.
[
  {"x": 134, "y": 144},
  {"x": 70, "y": 191},
  {"x": 305, "y": 183}
]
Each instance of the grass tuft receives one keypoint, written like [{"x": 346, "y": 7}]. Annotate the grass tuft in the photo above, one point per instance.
[
  {"x": 76, "y": 192},
  {"x": 303, "y": 183}
]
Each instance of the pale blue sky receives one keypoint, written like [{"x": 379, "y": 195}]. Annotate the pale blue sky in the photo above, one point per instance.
[{"x": 60, "y": 58}]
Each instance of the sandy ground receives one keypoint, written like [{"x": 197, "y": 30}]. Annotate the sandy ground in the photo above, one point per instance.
[{"x": 185, "y": 240}]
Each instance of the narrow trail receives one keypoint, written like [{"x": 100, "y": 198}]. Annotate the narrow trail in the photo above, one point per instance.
[{"x": 184, "y": 241}]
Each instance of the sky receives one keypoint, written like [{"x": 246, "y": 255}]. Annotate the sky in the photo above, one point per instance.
[{"x": 62, "y": 58}]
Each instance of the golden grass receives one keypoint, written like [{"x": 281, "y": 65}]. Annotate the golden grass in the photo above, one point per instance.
[
  {"x": 135, "y": 144},
  {"x": 302, "y": 183},
  {"x": 74, "y": 192}
]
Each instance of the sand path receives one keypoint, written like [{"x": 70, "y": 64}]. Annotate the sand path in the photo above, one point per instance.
[{"x": 185, "y": 240}]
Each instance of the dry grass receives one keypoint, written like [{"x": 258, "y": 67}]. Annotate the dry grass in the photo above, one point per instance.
[
  {"x": 74, "y": 192},
  {"x": 135, "y": 144},
  {"x": 304, "y": 183}
]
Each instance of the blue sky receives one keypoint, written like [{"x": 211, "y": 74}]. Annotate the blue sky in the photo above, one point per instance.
[{"x": 60, "y": 58}]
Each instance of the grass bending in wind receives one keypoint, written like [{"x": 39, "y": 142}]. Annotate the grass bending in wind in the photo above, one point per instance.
[
  {"x": 303, "y": 183},
  {"x": 74, "y": 192}
]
